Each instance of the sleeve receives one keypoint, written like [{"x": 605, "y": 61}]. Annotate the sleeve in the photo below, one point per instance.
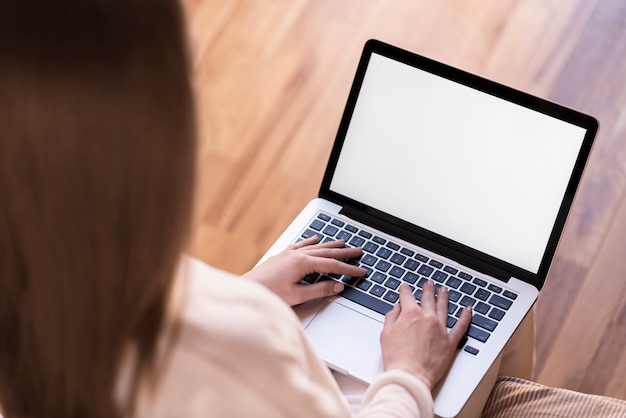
[
  {"x": 396, "y": 393},
  {"x": 243, "y": 352}
]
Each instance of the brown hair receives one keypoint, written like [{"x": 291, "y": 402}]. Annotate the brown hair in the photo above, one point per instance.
[{"x": 96, "y": 177}]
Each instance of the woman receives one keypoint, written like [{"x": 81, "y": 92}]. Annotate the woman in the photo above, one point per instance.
[{"x": 100, "y": 315}]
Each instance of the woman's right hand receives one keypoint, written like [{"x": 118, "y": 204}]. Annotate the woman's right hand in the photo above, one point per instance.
[{"x": 414, "y": 337}]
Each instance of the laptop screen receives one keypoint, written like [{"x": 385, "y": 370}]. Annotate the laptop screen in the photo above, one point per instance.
[{"x": 466, "y": 165}]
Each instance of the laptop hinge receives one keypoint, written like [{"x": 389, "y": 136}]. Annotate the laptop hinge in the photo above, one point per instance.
[{"x": 429, "y": 244}]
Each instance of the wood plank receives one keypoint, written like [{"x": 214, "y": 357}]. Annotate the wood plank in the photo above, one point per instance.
[
  {"x": 592, "y": 336},
  {"x": 272, "y": 79}
]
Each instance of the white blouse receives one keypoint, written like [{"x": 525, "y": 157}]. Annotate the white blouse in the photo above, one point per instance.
[{"x": 241, "y": 351}]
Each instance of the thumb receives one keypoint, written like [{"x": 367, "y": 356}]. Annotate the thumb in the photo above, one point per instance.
[
  {"x": 321, "y": 289},
  {"x": 392, "y": 315}
]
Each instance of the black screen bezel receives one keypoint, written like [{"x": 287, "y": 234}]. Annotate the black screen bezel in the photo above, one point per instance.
[{"x": 431, "y": 240}]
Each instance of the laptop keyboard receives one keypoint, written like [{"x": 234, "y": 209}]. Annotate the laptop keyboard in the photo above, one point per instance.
[{"x": 390, "y": 264}]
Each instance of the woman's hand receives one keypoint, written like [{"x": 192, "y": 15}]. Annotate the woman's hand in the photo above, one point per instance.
[
  {"x": 283, "y": 272},
  {"x": 414, "y": 338}
]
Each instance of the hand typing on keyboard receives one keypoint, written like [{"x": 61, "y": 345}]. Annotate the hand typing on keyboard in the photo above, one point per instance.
[
  {"x": 414, "y": 337},
  {"x": 283, "y": 272}
]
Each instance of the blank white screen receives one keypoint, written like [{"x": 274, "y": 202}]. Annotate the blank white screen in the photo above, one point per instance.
[{"x": 466, "y": 165}]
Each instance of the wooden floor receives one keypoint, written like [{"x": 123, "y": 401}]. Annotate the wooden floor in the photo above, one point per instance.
[{"x": 272, "y": 77}]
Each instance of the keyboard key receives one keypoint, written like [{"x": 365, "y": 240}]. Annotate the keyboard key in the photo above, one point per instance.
[
  {"x": 440, "y": 276},
  {"x": 422, "y": 281},
  {"x": 350, "y": 280},
  {"x": 496, "y": 314},
  {"x": 366, "y": 300},
  {"x": 343, "y": 235},
  {"x": 396, "y": 271},
  {"x": 453, "y": 282},
  {"x": 369, "y": 260},
  {"x": 377, "y": 290},
  {"x": 351, "y": 228},
  {"x": 393, "y": 246},
  {"x": 452, "y": 308},
  {"x": 370, "y": 247},
  {"x": 391, "y": 296},
  {"x": 392, "y": 283},
  {"x": 357, "y": 241},
  {"x": 418, "y": 294},
  {"x": 397, "y": 259},
  {"x": 500, "y": 302},
  {"x": 482, "y": 294},
  {"x": 465, "y": 276},
  {"x": 383, "y": 265},
  {"x": 451, "y": 321},
  {"x": 453, "y": 295},
  {"x": 323, "y": 217},
  {"x": 365, "y": 234},
  {"x": 477, "y": 333},
  {"x": 330, "y": 230},
  {"x": 407, "y": 252},
  {"x": 364, "y": 285},
  {"x": 473, "y": 351},
  {"x": 421, "y": 257},
  {"x": 494, "y": 288},
  {"x": 310, "y": 278},
  {"x": 468, "y": 288},
  {"x": 480, "y": 282},
  {"x": 383, "y": 252},
  {"x": 338, "y": 222},
  {"x": 410, "y": 277},
  {"x": 379, "y": 240},
  {"x": 435, "y": 264},
  {"x": 482, "y": 308},
  {"x": 378, "y": 277},
  {"x": 309, "y": 233},
  {"x": 425, "y": 270},
  {"x": 510, "y": 295},
  {"x": 411, "y": 264},
  {"x": 483, "y": 322},
  {"x": 450, "y": 270},
  {"x": 317, "y": 225},
  {"x": 467, "y": 301}
]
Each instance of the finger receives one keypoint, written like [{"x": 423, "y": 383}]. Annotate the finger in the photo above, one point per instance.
[
  {"x": 428, "y": 296},
  {"x": 460, "y": 328},
  {"x": 338, "y": 253},
  {"x": 333, "y": 266},
  {"x": 320, "y": 290},
  {"x": 442, "y": 305},
  {"x": 392, "y": 316},
  {"x": 332, "y": 244},
  {"x": 307, "y": 241},
  {"x": 407, "y": 300}
]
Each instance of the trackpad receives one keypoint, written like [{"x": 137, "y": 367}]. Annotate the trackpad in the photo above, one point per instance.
[{"x": 348, "y": 341}]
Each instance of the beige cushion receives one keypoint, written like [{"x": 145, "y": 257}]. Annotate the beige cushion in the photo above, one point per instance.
[{"x": 513, "y": 397}]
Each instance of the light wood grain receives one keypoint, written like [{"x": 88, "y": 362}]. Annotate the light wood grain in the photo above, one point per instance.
[{"x": 272, "y": 78}]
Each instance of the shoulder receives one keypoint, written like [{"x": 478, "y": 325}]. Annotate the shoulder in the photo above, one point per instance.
[
  {"x": 219, "y": 302},
  {"x": 240, "y": 351}
]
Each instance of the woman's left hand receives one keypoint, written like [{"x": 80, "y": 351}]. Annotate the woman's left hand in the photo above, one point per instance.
[{"x": 283, "y": 272}]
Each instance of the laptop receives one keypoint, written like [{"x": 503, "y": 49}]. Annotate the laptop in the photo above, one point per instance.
[{"x": 442, "y": 175}]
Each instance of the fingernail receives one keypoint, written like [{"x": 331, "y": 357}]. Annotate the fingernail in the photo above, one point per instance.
[{"x": 337, "y": 287}]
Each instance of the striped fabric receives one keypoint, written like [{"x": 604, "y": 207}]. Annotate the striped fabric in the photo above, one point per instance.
[{"x": 518, "y": 398}]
